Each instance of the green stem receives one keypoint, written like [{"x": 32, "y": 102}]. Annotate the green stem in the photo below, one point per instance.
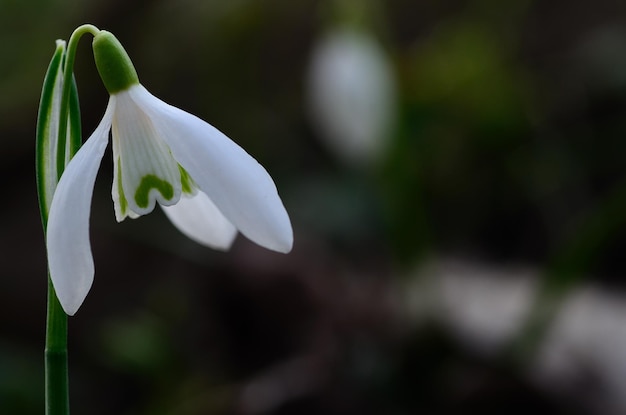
[
  {"x": 57, "y": 390},
  {"x": 56, "y": 368}
]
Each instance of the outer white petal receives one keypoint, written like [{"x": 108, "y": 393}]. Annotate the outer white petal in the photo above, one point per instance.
[
  {"x": 69, "y": 250},
  {"x": 238, "y": 185},
  {"x": 198, "y": 218}
]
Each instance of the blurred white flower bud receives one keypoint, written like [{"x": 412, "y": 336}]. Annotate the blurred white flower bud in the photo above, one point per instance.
[{"x": 352, "y": 95}]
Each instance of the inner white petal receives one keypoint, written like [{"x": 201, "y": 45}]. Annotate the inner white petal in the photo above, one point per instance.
[{"x": 145, "y": 171}]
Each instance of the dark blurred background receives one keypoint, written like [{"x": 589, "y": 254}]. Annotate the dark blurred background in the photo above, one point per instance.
[{"x": 454, "y": 172}]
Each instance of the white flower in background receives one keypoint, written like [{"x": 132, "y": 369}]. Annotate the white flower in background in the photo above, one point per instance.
[
  {"x": 208, "y": 186},
  {"x": 352, "y": 95}
]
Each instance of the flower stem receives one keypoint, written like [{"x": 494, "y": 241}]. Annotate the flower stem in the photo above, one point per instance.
[
  {"x": 56, "y": 367},
  {"x": 68, "y": 74},
  {"x": 57, "y": 390}
]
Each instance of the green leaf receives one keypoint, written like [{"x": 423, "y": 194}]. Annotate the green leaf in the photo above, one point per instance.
[
  {"x": 47, "y": 131},
  {"x": 52, "y": 152}
]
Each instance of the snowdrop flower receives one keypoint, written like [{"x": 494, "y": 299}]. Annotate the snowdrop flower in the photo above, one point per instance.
[
  {"x": 352, "y": 95},
  {"x": 208, "y": 186}
]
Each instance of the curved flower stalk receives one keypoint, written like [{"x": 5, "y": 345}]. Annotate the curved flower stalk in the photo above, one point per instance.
[{"x": 208, "y": 186}]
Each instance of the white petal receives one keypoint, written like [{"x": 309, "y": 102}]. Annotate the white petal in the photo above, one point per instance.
[
  {"x": 144, "y": 167},
  {"x": 198, "y": 218},
  {"x": 238, "y": 185},
  {"x": 69, "y": 250}
]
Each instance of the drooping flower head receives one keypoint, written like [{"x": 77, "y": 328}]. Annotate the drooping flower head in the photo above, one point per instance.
[{"x": 207, "y": 185}]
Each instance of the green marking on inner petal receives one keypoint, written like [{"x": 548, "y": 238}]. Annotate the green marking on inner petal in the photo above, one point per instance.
[
  {"x": 149, "y": 182},
  {"x": 120, "y": 188},
  {"x": 186, "y": 181}
]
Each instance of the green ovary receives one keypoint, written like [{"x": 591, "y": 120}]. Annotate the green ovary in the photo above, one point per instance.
[
  {"x": 149, "y": 182},
  {"x": 114, "y": 66}
]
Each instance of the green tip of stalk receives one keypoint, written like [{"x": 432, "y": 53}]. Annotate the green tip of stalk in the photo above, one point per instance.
[{"x": 113, "y": 63}]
